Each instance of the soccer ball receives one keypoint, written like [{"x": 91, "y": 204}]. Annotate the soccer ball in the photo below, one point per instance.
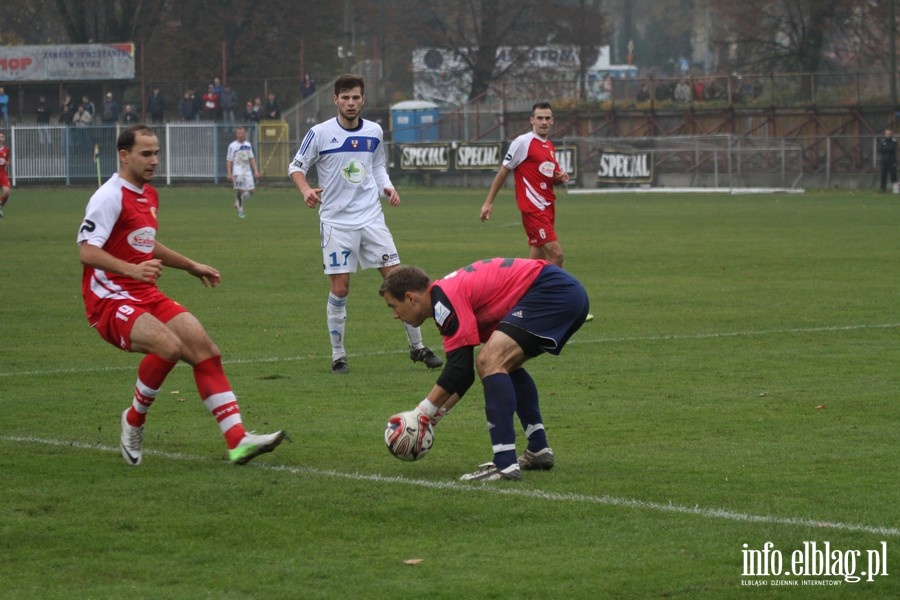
[{"x": 409, "y": 435}]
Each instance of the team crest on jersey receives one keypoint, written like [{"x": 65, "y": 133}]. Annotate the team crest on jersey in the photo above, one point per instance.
[
  {"x": 354, "y": 142},
  {"x": 354, "y": 172}
]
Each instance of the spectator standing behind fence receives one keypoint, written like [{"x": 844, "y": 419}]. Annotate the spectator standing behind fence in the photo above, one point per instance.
[
  {"x": 66, "y": 110},
  {"x": 273, "y": 109},
  {"x": 250, "y": 115},
  {"x": 156, "y": 107},
  {"x": 228, "y": 102},
  {"x": 698, "y": 90},
  {"x": 4, "y": 107},
  {"x": 210, "y": 108},
  {"x": 643, "y": 94},
  {"x": 307, "y": 87},
  {"x": 81, "y": 118},
  {"x": 82, "y": 135},
  {"x": 887, "y": 150},
  {"x": 129, "y": 117},
  {"x": 42, "y": 118},
  {"x": 88, "y": 105},
  {"x": 109, "y": 112},
  {"x": 683, "y": 91},
  {"x": 186, "y": 106}
]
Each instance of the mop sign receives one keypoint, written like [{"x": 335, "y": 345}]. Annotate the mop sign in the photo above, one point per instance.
[{"x": 813, "y": 559}]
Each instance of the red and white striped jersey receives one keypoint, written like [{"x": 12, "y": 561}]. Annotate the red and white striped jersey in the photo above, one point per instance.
[
  {"x": 121, "y": 219},
  {"x": 533, "y": 161}
]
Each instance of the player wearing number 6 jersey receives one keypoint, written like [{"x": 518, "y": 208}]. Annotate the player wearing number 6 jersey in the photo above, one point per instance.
[
  {"x": 532, "y": 159},
  {"x": 348, "y": 153},
  {"x": 122, "y": 261},
  {"x": 518, "y": 309}
]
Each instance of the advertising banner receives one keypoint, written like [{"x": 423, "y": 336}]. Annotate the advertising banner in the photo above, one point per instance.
[
  {"x": 76, "y": 62},
  {"x": 625, "y": 167}
]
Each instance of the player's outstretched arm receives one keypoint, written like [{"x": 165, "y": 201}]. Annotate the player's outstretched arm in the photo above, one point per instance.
[{"x": 207, "y": 275}]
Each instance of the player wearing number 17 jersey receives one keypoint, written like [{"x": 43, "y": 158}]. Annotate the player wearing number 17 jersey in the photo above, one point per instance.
[{"x": 348, "y": 153}]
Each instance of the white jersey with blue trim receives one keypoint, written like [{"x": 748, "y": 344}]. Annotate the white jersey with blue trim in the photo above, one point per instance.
[
  {"x": 240, "y": 154},
  {"x": 351, "y": 171}
]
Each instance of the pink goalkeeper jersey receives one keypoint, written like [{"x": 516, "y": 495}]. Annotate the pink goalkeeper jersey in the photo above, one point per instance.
[
  {"x": 121, "y": 219},
  {"x": 480, "y": 295}
]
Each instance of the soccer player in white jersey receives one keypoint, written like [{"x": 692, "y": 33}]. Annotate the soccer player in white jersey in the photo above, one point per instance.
[
  {"x": 122, "y": 262},
  {"x": 348, "y": 153},
  {"x": 240, "y": 165}
]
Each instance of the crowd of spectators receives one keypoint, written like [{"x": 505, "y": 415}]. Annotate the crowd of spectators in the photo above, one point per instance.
[
  {"x": 699, "y": 89},
  {"x": 217, "y": 103}
]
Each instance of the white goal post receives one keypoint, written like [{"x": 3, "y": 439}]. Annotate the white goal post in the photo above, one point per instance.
[{"x": 708, "y": 163}]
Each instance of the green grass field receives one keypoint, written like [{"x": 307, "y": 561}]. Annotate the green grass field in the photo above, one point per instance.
[{"x": 739, "y": 386}]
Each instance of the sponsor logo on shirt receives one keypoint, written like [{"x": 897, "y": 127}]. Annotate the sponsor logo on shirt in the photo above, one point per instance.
[
  {"x": 441, "y": 313},
  {"x": 354, "y": 172},
  {"x": 142, "y": 239}
]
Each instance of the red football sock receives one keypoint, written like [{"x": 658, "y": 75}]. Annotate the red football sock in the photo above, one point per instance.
[
  {"x": 219, "y": 399},
  {"x": 152, "y": 372}
]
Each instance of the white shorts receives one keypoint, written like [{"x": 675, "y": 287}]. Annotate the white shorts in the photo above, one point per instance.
[
  {"x": 244, "y": 183},
  {"x": 346, "y": 250}
]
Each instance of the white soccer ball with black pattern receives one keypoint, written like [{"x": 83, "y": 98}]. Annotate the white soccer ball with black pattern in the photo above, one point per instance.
[{"x": 409, "y": 435}]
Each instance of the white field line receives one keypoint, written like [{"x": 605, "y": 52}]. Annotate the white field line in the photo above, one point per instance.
[
  {"x": 505, "y": 490},
  {"x": 579, "y": 341}
]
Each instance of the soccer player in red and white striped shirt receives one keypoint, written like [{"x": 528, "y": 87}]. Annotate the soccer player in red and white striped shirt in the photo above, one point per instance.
[
  {"x": 4, "y": 176},
  {"x": 122, "y": 261},
  {"x": 532, "y": 159}
]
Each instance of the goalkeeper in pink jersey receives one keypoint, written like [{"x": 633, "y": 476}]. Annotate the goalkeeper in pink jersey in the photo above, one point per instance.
[{"x": 518, "y": 309}]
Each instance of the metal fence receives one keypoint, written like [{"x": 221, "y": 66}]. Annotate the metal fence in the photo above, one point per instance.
[
  {"x": 698, "y": 161},
  {"x": 195, "y": 152},
  {"x": 189, "y": 152}
]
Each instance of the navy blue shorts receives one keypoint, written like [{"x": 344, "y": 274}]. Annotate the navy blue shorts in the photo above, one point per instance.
[{"x": 550, "y": 312}]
